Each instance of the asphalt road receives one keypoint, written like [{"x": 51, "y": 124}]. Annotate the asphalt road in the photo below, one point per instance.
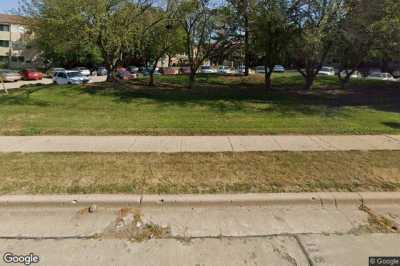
[{"x": 298, "y": 231}]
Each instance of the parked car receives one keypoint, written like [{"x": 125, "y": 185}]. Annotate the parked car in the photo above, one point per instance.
[
  {"x": 146, "y": 72},
  {"x": 124, "y": 74},
  {"x": 355, "y": 75},
  {"x": 84, "y": 71},
  {"x": 133, "y": 69},
  {"x": 242, "y": 70},
  {"x": 226, "y": 70},
  {"x": 381, "y": 76},
  {"x": 327, "y": 71},
  {"x": 207, "y": 70},
  {"x": 70, "y": 77},
  {"x": 100, "y": 71},
  {"x": 260, "y": 69},
  {"x": 50, "y": 73},
  {"x": 31, "y": 74},
  {"x": 185, "y": 70},
  {"x": 279, "y": 69},
  {"x": 9, "y": 75},
  {"x": 170, "y": 71}
]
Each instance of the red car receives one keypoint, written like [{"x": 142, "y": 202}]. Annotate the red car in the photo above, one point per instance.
[{"x": 31, "y": 74}]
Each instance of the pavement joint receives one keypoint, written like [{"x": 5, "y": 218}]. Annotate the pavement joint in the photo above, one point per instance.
[{"x": 230, "y": 143}]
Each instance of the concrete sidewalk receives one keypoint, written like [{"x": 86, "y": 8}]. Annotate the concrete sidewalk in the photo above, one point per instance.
[{"x": 174, "y": 144}]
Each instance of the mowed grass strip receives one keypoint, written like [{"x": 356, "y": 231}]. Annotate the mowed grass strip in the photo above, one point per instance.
[
  {"x": 218, "y": 105},
  {"x": 199, "y": 172}
]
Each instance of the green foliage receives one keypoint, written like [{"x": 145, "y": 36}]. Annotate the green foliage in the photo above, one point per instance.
[{"x": 272, "y": 32}]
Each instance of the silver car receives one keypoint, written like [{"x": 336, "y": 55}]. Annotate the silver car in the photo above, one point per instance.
[
  {"x": 9, "y": 75},
  {"x": 70, "y": 77}
]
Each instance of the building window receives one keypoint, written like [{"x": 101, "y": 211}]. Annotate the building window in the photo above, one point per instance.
[
  {"x": 4, "y": 27},
  {"x": 3, "y": 59},
  {"x": 4, "y": 43},
  {"x": 18, "y": 59}
]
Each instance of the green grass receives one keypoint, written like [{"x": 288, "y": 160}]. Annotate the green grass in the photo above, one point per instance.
[
  {"x": 218, "y": 105},
  {"x": 199, "y": 173}
]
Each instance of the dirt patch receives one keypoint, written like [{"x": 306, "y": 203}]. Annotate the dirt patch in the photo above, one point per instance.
[{"x": 129, "y": 225}]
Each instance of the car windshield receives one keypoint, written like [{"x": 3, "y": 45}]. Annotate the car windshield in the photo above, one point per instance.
[
  {"x": 327, "y": 69},
  {"x": 205, "y": 67},
  {"x": 74, "y": 74}
]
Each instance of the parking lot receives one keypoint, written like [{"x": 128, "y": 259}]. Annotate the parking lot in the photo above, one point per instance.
[{"x": 21, "y": 83}]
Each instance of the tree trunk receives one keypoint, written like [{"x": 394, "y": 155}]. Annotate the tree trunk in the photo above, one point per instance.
[
  {"x": 192, "y": 79},
  {"x": 268, "y": 80},
  {"x": 309, "y": 81},
  {"x": 151, "y": 81},
  {"x": 169, "y": 61},
  {"x": 153, "y": 68},
  {"x": 344, "y": 81},
  {"x": 110, "y": 72},
  {"x": 246, "y": 46}
]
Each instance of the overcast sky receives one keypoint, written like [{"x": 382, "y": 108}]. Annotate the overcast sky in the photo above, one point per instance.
[{"x": 6, "y": 5}]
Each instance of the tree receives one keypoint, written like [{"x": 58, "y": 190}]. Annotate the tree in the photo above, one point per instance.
[
  {"x": 272, "y": 33},
  {"x": 161, "y": 36},
  {"x": 355, "y": 37},
  {"x": 316, "y": 23},
  {"x": 57, "y": 28},
  {"x": 387, "y": 41},
  {"x": 104, "y": 26},
  {"x": 241, "y": 14},
  {"x": 203, "y": 35},
  {"x": 112, "y": 25}
]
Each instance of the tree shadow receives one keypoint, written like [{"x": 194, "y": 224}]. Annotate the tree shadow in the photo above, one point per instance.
[
  {"x": 22, "y": 96},
  {"x": 230, "y": 94},
  {"x": 393, "y": 125}
]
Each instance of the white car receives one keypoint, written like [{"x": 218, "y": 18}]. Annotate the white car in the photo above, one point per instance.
[
  {"x": 207, "y": 70},
  {"x": 260, "y": 69},
  {"x": 279, "y": 69},
  {"x": 84, "y": 71},
  {"x": 355, "y": 75},
  {"x": 242, "y": 70},
  {"x": 381, "y": 76},
  {"x": 327, "y": 71},
  {"x": 70, "y": 77},
  {"x": 225, "y": 70}
]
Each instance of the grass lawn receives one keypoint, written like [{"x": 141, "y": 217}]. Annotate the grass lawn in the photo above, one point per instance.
[
  {"x": 199, "y": 173},
  {"x": 219, "y": 105}
]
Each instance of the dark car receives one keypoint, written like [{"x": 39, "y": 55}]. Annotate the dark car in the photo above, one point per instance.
[
  {"x": 100, "y": 71},
  {"x": 146, "y": 72}
]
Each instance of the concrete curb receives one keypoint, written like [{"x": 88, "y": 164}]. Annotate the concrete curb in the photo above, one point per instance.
[{"x": 320, "y": 199}]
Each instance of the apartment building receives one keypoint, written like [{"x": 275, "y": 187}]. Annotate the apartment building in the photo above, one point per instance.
[{"x": 14, "y": 48}]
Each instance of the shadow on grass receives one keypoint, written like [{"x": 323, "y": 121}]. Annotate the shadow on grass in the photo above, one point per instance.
[
  {"x": 23, "y": 95},
  {"x": 393, "y": 125},
  {"x": 225, "y": 94},
  {"x": 232, "y": 93}
]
